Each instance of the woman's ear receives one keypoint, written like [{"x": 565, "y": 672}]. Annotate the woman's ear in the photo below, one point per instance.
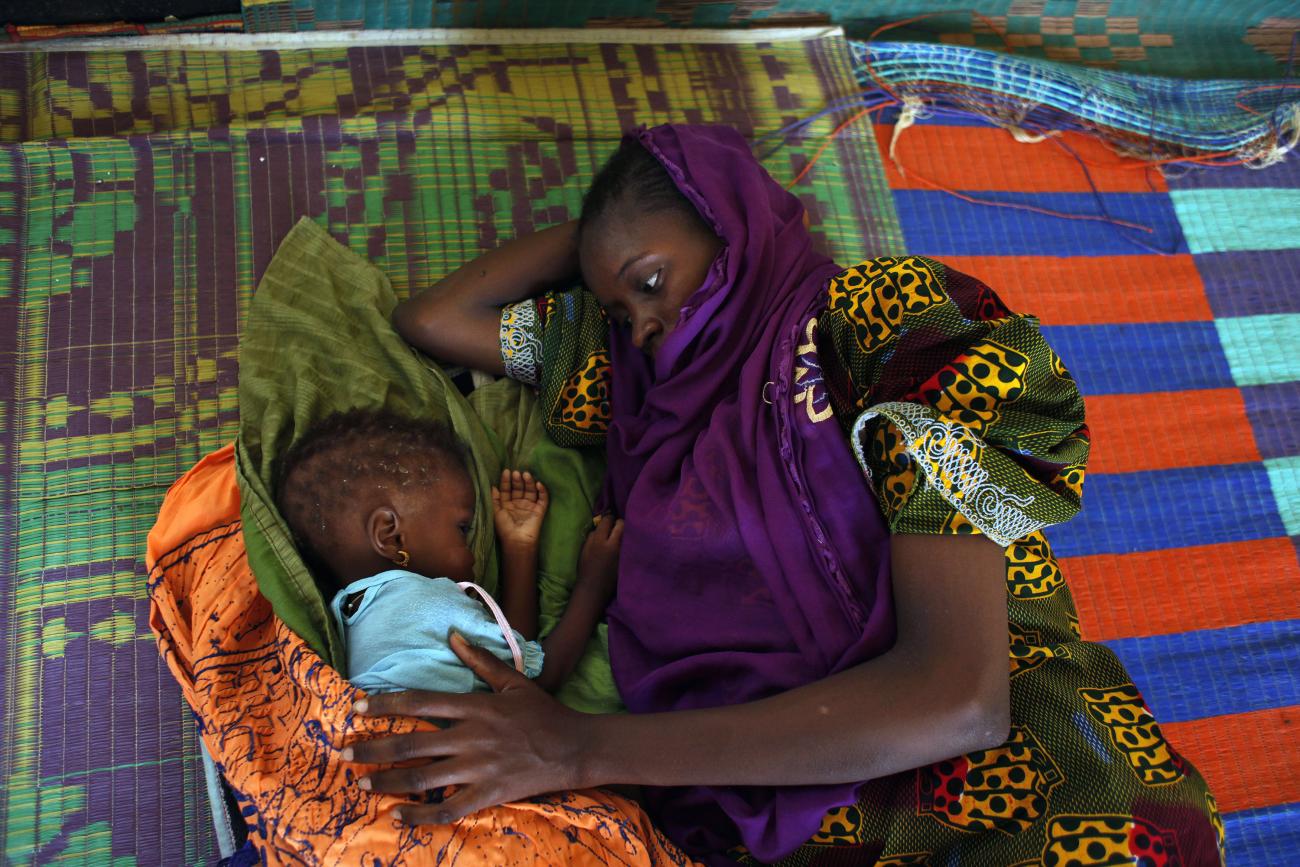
[{"x": 384, "y": 533}]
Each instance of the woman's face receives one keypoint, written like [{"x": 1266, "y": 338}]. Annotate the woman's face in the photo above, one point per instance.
[{"x": 642, "y": 270}]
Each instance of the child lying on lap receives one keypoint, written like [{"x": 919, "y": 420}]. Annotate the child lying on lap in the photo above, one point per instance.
[{"x": 364, "y": 491}]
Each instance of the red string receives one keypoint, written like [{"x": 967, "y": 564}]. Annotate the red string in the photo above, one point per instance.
[
  {"x": 1019, "y": 207},
  {"x": 1262, "y": 87}
]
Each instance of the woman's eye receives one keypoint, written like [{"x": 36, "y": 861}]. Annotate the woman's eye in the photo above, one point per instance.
[
  {"x": 464, "y": 529},
  {"x": 651, "y": 284}
]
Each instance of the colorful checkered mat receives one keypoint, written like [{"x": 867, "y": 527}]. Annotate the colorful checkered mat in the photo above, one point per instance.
[
  {"x": 1184, "y": 559},
  {"x": 141, "y": 195},
  {"x": 144, "y": 192}
]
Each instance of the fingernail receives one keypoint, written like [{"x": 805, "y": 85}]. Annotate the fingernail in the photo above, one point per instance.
[
  {"x": 360, "y": 705},
  {"x": 397, "y": 813},
  {"x": 347, "y": 754},
  {"x": 364, "y": 783},
  {"x": 443, "y": 818}
]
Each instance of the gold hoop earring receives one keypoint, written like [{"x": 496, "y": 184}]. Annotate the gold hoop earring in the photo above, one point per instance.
[{"x": 403, "y": 559}]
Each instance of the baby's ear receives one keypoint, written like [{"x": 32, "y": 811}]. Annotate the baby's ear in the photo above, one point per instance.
[{"x": 384, "y": 532}]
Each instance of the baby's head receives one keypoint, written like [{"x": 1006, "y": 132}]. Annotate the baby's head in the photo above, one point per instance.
[
  {"x": 642, "y": 246},
  {"x": 365, "y": 491}
]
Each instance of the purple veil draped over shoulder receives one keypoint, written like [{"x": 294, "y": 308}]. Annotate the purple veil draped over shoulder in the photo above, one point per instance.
[{"x": 755, "y": 558}]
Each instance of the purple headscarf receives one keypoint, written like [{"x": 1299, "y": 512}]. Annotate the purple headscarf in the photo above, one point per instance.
[{"x": 755, "y": 558}]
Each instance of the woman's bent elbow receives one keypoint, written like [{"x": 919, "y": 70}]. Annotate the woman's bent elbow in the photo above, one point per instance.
[
  {"x": 422, "y": 325},
  {"x": 988, "y": 718},
  {"x": 404, "y": 319}
]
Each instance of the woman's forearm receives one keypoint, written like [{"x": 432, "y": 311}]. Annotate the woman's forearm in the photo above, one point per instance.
[
  {"x": 457, "y": 319},
  {"x": 942, "y": 691},
  {"x": 883, "y": 717}
]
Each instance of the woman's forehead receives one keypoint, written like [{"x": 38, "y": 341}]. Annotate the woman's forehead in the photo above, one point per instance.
[{"x": 612, "y": 242}]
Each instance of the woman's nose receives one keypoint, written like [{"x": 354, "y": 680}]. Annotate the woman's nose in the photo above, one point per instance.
[{"x": 643, "y": 329}]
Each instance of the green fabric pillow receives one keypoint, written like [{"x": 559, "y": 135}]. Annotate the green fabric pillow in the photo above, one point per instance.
[
  {"x": 318, "y": 340},
  {"x": 573, "y": 477}
]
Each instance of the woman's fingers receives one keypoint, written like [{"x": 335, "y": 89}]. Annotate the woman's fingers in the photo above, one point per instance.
[
  {"x": 422, "y": 778},
  {"x": 616, "y": 534},
  {"x": 514, "y": 744},
  {"x": 495, "y": 673},
  {"x": 401, "y": 748},
  {"x": 467, "y": 799},
  {"x": 417, "y": 702}
]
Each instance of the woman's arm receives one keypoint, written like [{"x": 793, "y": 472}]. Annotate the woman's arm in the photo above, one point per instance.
[
  {"x": 458, "y": 318},
  {"x": 942, "y": 690}
]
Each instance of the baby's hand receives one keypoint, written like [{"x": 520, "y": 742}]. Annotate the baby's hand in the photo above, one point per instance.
[
  {"x": 598, "y": 563},
  {"x": 518, "y": 505}
]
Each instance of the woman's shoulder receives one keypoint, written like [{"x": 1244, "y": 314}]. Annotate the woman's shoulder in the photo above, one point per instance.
[
  {"x": 887, "y": 277},
  {"x": 879, "y": 297},
  {"x": 559, "y": 343}
]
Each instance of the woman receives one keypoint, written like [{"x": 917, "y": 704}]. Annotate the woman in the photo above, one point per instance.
[{"x": 819, "y": 470}]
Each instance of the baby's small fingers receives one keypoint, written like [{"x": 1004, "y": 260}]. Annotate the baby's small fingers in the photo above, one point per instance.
[
  {"x": 516, "y": 483},
  {"x": 530, "y": 487},
  {"x": 543, "y": 496}
]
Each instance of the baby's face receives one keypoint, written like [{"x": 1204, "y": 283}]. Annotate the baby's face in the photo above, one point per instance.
[{"x": 435, "y": 525}]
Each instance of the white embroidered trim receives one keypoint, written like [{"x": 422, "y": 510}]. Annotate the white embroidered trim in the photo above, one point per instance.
[
  {"x": 521, "y": 342},
  {"x": 946, "y": 452}
]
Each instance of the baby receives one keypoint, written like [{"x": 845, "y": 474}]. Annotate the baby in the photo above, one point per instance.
[{"x": 381, "y": 507}]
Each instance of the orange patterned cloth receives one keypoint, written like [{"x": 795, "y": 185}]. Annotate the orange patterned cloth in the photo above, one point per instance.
[{"x": 274, "y": 716}]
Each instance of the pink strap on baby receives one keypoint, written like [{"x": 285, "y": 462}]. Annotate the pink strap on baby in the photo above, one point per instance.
[{"x": 501, "y": 621}]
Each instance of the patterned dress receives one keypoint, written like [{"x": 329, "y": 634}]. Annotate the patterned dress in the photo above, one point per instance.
[{"x": 965, "y": 421}]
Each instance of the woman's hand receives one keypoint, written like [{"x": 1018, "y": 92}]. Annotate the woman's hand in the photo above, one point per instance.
[{"x": 513, "y": 744}]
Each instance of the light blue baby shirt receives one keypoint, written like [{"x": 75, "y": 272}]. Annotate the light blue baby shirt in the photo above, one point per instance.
[{"x": 398, "y": 636}]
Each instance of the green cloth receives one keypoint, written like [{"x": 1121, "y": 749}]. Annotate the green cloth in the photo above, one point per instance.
[
  {"x": 573, "y": 477},
  {"x": 317, "y": 341}
]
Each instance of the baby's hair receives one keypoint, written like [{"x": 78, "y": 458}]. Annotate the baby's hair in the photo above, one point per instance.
[
  {"x": 634, "y": 178},
  {"x": 344, "y": 458}
]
